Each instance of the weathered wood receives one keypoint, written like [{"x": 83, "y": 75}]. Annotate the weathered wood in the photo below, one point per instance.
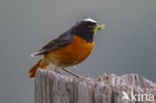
[{"x": 51, "y": 87}]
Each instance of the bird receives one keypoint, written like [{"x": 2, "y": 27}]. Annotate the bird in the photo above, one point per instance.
[{"x": 68, "y": 49}]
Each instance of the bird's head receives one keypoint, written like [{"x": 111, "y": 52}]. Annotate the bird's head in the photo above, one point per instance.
[{"x": 88, "y": 26}]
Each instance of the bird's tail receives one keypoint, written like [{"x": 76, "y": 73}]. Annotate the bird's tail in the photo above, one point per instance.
[{"x": 40, "y": 64}]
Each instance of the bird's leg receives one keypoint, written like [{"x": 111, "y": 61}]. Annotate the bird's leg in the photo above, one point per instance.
[
  {"x": 66, "y": 70},
  {"x": 56, "y": 69}
]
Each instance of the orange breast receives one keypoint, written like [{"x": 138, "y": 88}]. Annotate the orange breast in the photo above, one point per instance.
[{"x": 71, "y": 54}]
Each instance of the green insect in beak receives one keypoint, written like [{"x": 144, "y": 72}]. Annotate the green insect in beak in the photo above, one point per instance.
[{"x": 99, "y": 27}]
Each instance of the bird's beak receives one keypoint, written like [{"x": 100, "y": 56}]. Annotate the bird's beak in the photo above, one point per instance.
[{"x": 99, "y": 27}]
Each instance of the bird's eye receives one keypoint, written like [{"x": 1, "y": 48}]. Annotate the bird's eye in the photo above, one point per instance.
[{"x": 91, "y": 26}]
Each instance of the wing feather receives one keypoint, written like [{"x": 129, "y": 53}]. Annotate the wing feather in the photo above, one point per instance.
[{"x": 57, "y": 43}]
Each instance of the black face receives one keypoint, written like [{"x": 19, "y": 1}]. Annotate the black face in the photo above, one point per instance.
[{"x": 85, "y": 29}]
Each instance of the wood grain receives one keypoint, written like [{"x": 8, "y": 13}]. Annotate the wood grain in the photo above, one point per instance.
[{"x": 51, "y": 87}]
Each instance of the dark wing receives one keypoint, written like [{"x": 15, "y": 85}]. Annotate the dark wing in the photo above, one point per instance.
[{"x": 57, "y": 43}]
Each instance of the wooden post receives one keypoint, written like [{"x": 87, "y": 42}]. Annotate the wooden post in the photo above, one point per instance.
[{"x": 51, "y": 87}]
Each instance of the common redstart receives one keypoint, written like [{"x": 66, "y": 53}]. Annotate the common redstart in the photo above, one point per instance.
[{"x": 69, "y": 49}]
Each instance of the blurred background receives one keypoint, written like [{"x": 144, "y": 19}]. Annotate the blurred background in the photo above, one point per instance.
[{"x": 126, "y": 45}]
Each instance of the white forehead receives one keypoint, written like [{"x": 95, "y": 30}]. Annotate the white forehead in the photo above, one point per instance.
[{"x": 90, "y": 19}]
